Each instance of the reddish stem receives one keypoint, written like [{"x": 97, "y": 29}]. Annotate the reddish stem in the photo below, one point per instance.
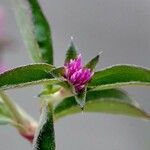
[{"x": 29, "y": 133}]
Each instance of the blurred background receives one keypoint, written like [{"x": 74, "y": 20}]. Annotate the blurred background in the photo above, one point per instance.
[{"x": 121, "y": 29}]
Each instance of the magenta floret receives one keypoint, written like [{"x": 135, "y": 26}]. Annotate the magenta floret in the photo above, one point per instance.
[{"x": 76, "y": 74}]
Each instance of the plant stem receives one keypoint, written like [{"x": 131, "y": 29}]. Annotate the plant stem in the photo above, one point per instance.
[
  {"x": 24, "y": 123},
  {"x": 16, "y": 116}
]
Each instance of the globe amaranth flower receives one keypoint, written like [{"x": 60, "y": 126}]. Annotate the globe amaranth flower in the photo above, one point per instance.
[{"x": 76, "y": 74}]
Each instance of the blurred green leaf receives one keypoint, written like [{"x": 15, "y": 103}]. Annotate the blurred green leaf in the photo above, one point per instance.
[
  {"x": 120, "y": 75},
  {"x": 27, "y": 75},
  {"x": 26, "y": 28},
  {"x": 92, "y": 63},
  {"x": 112, "y": 101},
  {"x": 45, "y": 136},
  {"x": 81, "y": 98},
  {"x": 71, "y": 52},
  {"x": 42, "y": 31},
  {"x": 47, "y": 91},
  {"x": 35, "y": 30},
  {"x": 58, "y": 72}
]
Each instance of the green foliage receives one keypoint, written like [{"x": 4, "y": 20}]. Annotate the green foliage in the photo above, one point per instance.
[
  {"x": 121, "y": 75},
  {"x": 25, "y": 26},
  {"x": 100, "y": 94},
  {"x": 44, "y": 137},
  {"x": 58, "y": 72},
  {"x": 81, "y": 98},
  {"x": 35, "y": 30},
  {"x": 27, "y": 75},
  {"x": 93, "y": 62},
  {"x": 71, "y": 52},
  {"x": 111, "y": 101},
  {"x": 41, "y": 31}
]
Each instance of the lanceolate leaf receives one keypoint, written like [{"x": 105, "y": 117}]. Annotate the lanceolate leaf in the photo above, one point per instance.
[
  {"x": 111, "y": 101},
  {"x": 81, "y": 98},
  {"x": 71, "y": 52},
  {"x": 42, "y": 31},
  {"x": 120, "y": 75},
  {"x": 26, "y": 28},
  {"x": 35, "y": 30},
  {"x": 45, "y": 136},
  {"x": 27, "y": 75},
  {"x": 92, "y": 64}
]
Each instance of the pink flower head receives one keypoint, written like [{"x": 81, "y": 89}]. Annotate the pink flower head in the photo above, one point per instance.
[{"x": 76, "y": 74}]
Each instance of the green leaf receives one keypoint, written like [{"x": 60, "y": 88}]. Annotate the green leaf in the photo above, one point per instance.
[
  {"x": 71, "y": 52},
  {"x": 25, "y": 25},
  {"x": 27, "y": 75},
  {"x": 58, "y": 72},
  {"x": 81, "y": 98},
  {"x": 111, "y": 101},
  {"x": 92, "y": 63},
  {"x": 45, "y": 136},
  {"x": 35, "y": 30},
  {"x": 120, "y": 75},
  {"x": 42, "y": 31}
]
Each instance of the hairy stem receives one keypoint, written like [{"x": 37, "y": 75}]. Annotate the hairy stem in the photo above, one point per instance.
[
  {"x": 24, "y": 123},
  {"x": 16, "y": 115}
]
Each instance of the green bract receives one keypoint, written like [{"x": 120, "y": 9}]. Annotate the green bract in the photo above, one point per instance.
[{"x": 102, "y": 94}]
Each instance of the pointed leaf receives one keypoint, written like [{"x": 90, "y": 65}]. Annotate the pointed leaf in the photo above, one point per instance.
[
  {"x": 45, "y": 136},
  {"x": 35, "y": 30},
  {"x": 111, "y": 101},
  {"x": 42, "y": 31},
  {"x": 71, "y": 52},
  {"x": 81, "y": 98},
  {"x": 120, "y": 75},
  {"x": 92, "y": 63},
  {"x": 26, "y": 29},
  {"x": 27, "y": 75}
]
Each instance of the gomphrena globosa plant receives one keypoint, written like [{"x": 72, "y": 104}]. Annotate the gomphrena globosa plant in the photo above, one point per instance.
[{"x": 69, "y": 89}]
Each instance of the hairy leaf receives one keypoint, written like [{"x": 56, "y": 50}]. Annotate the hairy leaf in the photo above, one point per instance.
[
  {"x": 71, "y": 52},
  {"x": 45, "y": 136},
  {"x": 27, "y": 75},
  {"x": 42, "y": 31},
  {"x": 81, "y": 98},
  {"x": 111, "y": 101},
  {"x": 92, "y": 63},
  {"x": 58, "y": 72},
  {"x": 26, "y": 29},
  {"x": 35, "y": 30},
  {"x": 120, "y": 75}
]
